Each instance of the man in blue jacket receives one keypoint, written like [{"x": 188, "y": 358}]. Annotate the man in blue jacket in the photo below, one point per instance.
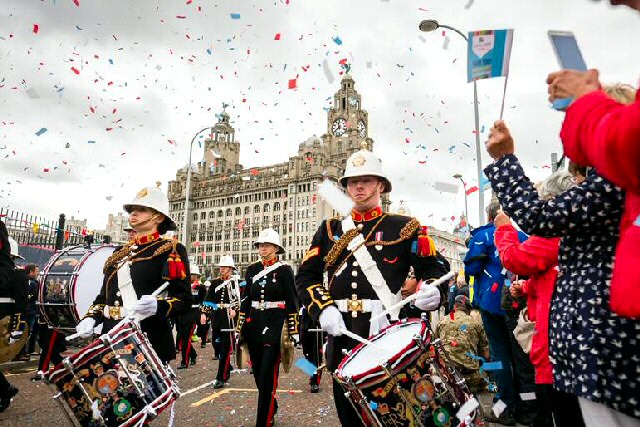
[{"x": 482, "y": 262}]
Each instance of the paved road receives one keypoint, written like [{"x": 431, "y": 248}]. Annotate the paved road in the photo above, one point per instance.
[{"x": 200, "y": 404}]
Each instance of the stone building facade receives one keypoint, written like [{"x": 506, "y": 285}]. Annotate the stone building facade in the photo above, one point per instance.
[{"x": 229, "y": 204}]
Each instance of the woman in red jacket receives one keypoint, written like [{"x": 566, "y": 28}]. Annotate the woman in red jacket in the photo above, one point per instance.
[{"x": 537, "y": 257}]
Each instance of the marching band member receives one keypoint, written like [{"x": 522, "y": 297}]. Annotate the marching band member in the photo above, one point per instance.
[
  {"x": 268, "y": 302},
  {"x": 133, "y": 272},
  {"x": 367, "y": 256},
  {"x": 220, "y": 306},
  {"x": 312, "y": 342},
  {"x": 188, "y": 321}
]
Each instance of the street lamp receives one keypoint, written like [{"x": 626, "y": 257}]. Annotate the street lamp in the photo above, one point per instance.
[
  {"x": 464, "y": 186},
  {"x": 429, "y": 25},
  {"x": 185, "y": 220}
]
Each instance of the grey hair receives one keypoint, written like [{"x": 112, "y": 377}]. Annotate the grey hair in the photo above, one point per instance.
[
  {"x": 555, "y": 184},
  {"x": 492, "y": 209}
]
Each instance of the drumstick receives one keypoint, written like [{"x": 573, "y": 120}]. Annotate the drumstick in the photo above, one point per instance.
[
  {"x": 154, "y": 294},
  {"x": 358, "y": 338},
  {"x": 410, "y": 298}
]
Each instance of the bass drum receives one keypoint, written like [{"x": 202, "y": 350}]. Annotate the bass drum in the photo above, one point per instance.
[{"x": 70, "y": 282}]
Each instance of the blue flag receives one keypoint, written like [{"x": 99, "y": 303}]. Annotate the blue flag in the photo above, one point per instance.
[{"x": 488, "y": 54}]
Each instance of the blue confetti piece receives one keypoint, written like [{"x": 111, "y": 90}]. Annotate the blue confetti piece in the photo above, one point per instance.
[
  {"x": 507, "y": 282},
  {"x": 242, "y": 284},
  {"x": 213, "y": 305},
  {"x": 491, "y": 366},
  {"x": 307, "y": 367},
  {"x": 482, "y": 129},
  {"x": 91, "y": 142},
  {"x": 111, "y": 61},
  {"x": 637, "y": 221},
  {"x": 414, "y": 247},
  {"x": 41, "y": 131},
  {"x": 337, "y": 40},
  {"x": 475, "y": 357},
  {"x": 373, "y": 405},
  {"x": 209, "y": 51},
  {"x": 463, "y": 327},
  {"x": 235, "y": 16}
]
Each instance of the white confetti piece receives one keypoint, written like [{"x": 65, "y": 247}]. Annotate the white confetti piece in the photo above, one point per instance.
[
  {"x": 468, "y": 407},
  {"x": 499, "y": 407}
]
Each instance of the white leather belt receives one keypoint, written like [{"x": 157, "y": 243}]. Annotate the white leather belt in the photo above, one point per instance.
[
  {"x": 195, "y": 306},
  {"x": 7, "y": 300},
  {"x": 266, "y": 305},
  {"x": 354, "y": 305}
]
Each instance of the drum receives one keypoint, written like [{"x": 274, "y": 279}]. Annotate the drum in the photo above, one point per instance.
[
  {"x": 117, "y": 380},
  {"x": 404, "y": 380},
  {"x": 71, "y": 280}
]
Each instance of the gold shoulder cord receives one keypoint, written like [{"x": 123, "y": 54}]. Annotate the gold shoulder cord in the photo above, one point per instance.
[
  {"x": 355, "y": 249},
  {"x": 161, "y": 246},
  {"x": 405, "y": 233}
]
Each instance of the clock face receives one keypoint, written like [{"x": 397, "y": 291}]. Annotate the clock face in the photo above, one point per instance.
[
  {"x": 362, "y": 129},
  {"x": 339, "y": 127}
]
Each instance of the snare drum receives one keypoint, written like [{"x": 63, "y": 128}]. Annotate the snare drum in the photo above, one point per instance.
[
  {"x": 404, "y": 381},
  {"x": 71, "y": 280},
  {"x": 117, "y": 380}
]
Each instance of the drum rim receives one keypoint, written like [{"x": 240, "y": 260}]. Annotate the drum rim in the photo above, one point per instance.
[{"x": 372, "y": 376}]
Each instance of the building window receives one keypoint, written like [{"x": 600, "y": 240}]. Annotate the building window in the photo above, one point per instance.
[
  {"x": 195, "y": 217},
  {"x": 238, "y": 211},
  {"x": 227, "y": 235},
  {"x": 217, "y": 247},
  {"x": 236, "y": 233},
  {"x": 229, "y": 212},
  {"x": 265, "y": 219},
  {"x": 236, "y": 246},
  {"x": 227, "y": 247},
  {"x": 218, "y": 236},
  {"x": 266, "y": 208},
  {"x": 247, "y": 210},
  {"x": 245, "y": 246},
  {"x": 276, "y": 206},
  {"x": 220, "y": 213},
  {"x": 211, "y": 215},
  {"x": 256, "y": 209},
  {"x": 244, "y": 257}
]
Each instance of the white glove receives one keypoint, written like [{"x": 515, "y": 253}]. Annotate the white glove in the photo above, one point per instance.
[
  {"x": 331, "y": 321},
  {"x": 146, "y": 306},
  {"x": 85, "y": 327},
  {"x": 428, "y": 297}
]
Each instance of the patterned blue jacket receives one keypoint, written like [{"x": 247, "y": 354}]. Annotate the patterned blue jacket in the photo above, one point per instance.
[{"x": 594, "y": 352}]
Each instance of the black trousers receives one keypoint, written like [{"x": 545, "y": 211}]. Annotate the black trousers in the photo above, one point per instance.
[
  {"x": 187, "y": 349},
  {"x": 52, "y": 343},
  {"x": 265, "y": 361},
  {"x": 564, "y": 407},
  {"x": 4, "y": 384},
  {"x": 312, "y": 349},
  {"x": 346, "y": 412},
  {"x": 224, "y": 364},
  {"x": 203, "y": 331}
]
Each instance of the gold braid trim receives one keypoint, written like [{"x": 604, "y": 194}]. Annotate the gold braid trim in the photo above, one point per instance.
[
  {"x": 329, "y": 230},
  {"x": 340, "y": 246},
  {"x": 116, "y": 257},
  {"x": 405, "y": 233}
]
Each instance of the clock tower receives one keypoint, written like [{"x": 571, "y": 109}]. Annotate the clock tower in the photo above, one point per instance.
[{"x": 347, "y": 122}]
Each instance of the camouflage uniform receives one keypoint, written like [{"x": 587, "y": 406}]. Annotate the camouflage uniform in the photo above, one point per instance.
[{"x": 462, "y": 334}]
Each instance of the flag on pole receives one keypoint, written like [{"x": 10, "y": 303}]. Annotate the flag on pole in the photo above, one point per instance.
[{"x": 488, "y": 54}]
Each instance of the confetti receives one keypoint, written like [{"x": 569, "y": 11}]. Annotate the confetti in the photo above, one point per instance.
[
  {"x": 307, "y": 367},
  {"x": 293, "y": 83},
  {"x": 36, "y": 28},
  {"x": 41, "y": 131},
  {"x": 337, "y": 40},
  {"x": 491, "y": 366},
  {"x": 499, "y": 407},
  {"x": 235, "y": 16},
  {"x": 75, "y": 70},
  {"x": 277, "y": 37}
]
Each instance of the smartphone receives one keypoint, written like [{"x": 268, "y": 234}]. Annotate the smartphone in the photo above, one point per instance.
[{"x": 569, "y": 57}]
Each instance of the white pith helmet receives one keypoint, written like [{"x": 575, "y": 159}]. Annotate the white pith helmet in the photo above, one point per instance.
[
  {"x": 269, "y": 235},
  {"x": 154, "y": 198},
  {"x": 15, "y": 248},
  {"x": 227, "y": 261},
  {"x": 363, "y": 163},
  {"x": 194, "y": 269}
]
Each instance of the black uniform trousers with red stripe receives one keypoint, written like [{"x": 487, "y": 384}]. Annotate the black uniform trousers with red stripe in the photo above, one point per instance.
[
  {"x": 265, "y": 361},
  {"x": 224, "y": 364},
  {"x": 52, "y": 343},
  {"x": 186, "y": 326}
]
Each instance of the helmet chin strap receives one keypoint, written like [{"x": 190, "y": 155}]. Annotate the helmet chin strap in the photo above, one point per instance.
[{"x": 146, "y": 221}]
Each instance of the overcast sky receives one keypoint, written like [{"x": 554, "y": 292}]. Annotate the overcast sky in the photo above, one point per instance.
[{"x": 122, "y": 86}]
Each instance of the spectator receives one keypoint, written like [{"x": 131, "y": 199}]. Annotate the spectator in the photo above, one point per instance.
[
  {"x": 594, "y": 351},
  {"x": 537, "y": 258},
  {"x": 462, "y": 335},
  {"x": 516, "y": 375},
  {"x": 32, "y": 271}
]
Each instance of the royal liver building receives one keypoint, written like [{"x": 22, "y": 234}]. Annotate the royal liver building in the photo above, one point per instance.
[{"x": 229, "y": 204}]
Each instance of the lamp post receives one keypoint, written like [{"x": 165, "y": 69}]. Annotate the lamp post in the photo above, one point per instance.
[
  {"x": 185, "y": 220},
  {"x": 429, "y": 25},
  {"x": 464, "y": 186}
]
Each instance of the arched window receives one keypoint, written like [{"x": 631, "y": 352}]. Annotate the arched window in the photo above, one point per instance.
[
  {"x": 220, "y": 213},
  {"x": 203, "y": 216},
  {"x": 229, "y": 212},
  {"x": 238, "y": 211},
  {"x": 276, "y": 206},
  {"x": 212, "y": 214},
  {"x": 195, "y": 216},
  {"x": 266, "y": 207},
  {"x": 247, "y": 210},
  {"x": 256, "y": 209}
]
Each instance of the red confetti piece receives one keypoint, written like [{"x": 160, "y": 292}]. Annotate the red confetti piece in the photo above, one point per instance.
[
  {"x": 109, "y": 129},
  {"x": 36, "y": 28},
  {"x": 181, "y": 17},
  {"x": 45, "y": 170},
  {"x": 76, "y": 2},
  {"x": 75, "y": 70},
  {"x": 293, "y": 83},
  {"x": 92, "y": 109},
  {"x": 189, "y": 1},
  {"x": 454, "y": 343},
  {"x": 494, "y": 288},
  {"x": 277, "y": 37}
]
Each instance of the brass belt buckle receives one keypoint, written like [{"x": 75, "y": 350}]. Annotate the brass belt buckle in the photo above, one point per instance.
[
  {"x": 355, "y": 305},
  {"x": 114, "y": 312},
  {"x": 262, "y": 305}
]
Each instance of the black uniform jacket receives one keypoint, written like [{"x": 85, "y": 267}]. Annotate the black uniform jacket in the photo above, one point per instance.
[
  {"x": 198, "y": 292},
  {"x": 277, "y": 285},
  {"x": 149, "y": 270},
  {"x": 218, "y": 294},
  {"x": 395, "y": 243},
  {"x": 18, "y": 289}
]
